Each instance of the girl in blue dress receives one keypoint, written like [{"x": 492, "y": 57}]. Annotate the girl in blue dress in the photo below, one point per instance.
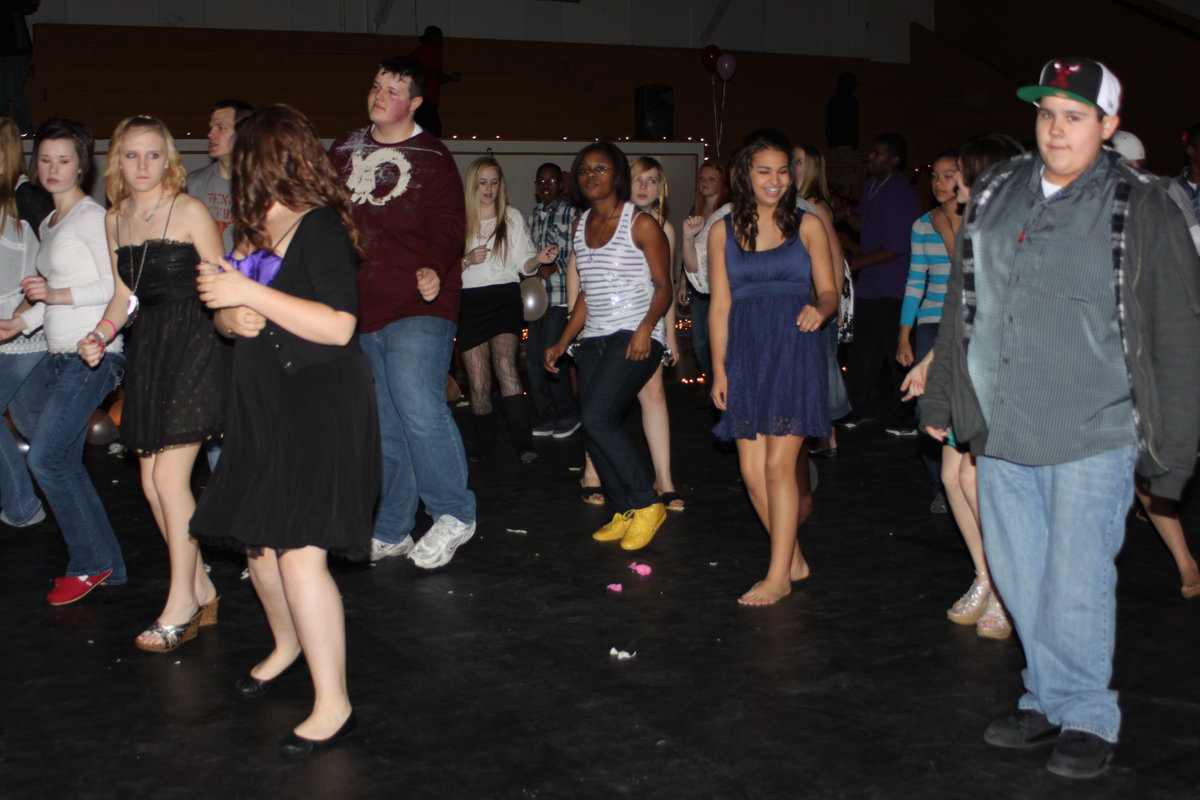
[{"x": 766, "y": 264}]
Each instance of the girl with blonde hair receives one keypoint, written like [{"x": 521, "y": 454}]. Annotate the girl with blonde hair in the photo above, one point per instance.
[
  {"x": 177, "y": 368},
  {"x": 497, "y": 254}
]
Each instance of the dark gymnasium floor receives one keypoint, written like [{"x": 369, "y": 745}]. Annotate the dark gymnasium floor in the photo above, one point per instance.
[{"x": 492, "y": 677}]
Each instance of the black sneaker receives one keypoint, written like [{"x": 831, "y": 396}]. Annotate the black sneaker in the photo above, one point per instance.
[
  {"x": 858, "y": 422},
  {"x": 545, "y": 429},
  {"x": 900, "y": 430},
  {"x": 1021, "y": 730},
  {"x": 1079, "y": 754}
]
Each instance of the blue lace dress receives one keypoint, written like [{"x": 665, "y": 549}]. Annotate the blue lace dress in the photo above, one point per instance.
[{"x": 776, "y": 373}]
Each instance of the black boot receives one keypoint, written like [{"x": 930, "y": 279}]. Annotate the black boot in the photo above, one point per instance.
[
  {"x": 485, "y": 436},
  {"x": 516, "y": 414}
]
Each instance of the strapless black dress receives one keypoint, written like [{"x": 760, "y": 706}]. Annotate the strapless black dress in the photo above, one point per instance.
[{"x": 178, "y": 368}]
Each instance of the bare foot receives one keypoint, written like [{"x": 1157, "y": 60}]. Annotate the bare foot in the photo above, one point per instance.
[
  {"x": 765, "y": 594},
  {"x": 799, "y": 569}
]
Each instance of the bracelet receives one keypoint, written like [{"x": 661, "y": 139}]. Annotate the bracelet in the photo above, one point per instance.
[
  {"x": 110, "y": 324},
  {"x": 99, "y": 335}
]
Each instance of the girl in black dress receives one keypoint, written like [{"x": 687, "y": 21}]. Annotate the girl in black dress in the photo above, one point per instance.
[
  {"x": 177, "y": 368},
  {"x": 300, "y": 471}
]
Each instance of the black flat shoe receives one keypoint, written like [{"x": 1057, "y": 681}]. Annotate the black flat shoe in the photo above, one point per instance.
[
  {"x": 249, "y": 686},
  {"x": 828, "y": 452},
  {"x": 297, "y": 748}
]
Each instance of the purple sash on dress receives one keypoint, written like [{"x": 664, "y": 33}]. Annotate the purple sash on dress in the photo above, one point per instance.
[{"x": 261, "y": 265}]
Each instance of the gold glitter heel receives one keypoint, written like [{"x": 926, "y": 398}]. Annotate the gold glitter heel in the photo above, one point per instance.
[{"x": 970, "y": 606}]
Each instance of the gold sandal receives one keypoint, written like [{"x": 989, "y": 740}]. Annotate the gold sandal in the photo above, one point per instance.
[
  {"x": 171, "y": 636},
  {"x": 208, "y": 612}
]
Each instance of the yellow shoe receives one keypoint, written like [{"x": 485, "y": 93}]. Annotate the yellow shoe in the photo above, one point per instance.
[
  {"x": 615, "y": 529},
  {"x": 646, "y": 522}
]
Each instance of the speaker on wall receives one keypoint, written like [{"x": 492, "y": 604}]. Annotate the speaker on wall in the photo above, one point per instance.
[{"x": 654, "y": 112}]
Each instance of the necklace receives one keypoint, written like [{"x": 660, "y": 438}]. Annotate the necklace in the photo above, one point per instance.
[
  {"x": 878, "y": 185},
  {"x": 604, "y": 225},
  {"x": 153, "y": 212},
  {"x": 133, "y": 306}
]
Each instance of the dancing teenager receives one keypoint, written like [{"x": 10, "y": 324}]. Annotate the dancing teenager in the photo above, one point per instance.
[
  {"x": 1066, "y": 356},
  {"x": 497, "y": 254},
  {"x": 300, "y": 471},
  {"x": 22, "y": 208},
  {"x": 622, "y": 260},
  {"x": 177, "y": 367},
  {"x": 981, "y": 605},
  {"x": 812, "y": 188},
  {"x": 711, "y": 203},
  {"x": 550, "y": 223},
  {"x": 765, "y": 264},
  {"x": 649, "y": 194},
  {"x": 67, "y": 298},
  {"x": 407, "y": 199}
]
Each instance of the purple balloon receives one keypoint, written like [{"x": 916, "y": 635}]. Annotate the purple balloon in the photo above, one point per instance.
[{"x": 726, "y": 66}]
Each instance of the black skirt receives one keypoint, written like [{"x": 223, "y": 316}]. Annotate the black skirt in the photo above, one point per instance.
[
  {"x": 302, "y": 462},
  {"x": 489, "y": 311}
]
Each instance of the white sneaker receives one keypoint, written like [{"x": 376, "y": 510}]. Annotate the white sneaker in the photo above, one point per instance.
[
  {"x": 381, "y": 549},
  {"x": 37, "y": 517},
  {"x": 437, "y": 546}
]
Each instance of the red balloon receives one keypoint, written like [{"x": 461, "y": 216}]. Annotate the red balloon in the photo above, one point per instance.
[{"x": 709, "y": 56}]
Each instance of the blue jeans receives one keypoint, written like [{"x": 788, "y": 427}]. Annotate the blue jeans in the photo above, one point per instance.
[
  {"x": 608, "y": 382},
  {"x": 1051, "y": 534},
  {"x": 552, "y": 394},
  {"x": 423, "y": 457},
  {"x": 62, "y": 394},
  {"x": 700, "y": 347},
  {"x": 16, "y": 487}
]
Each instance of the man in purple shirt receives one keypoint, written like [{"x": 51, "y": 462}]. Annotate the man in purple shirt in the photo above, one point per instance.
[{"x": 884, "y": 219}]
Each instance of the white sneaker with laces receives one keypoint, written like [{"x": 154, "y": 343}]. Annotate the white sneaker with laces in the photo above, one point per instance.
[
  {"x": 381, "y": 549},
  {"x": 437, "y": 546}
]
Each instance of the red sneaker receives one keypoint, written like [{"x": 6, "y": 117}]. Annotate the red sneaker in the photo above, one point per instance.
[{"x": 69, "y": 589}]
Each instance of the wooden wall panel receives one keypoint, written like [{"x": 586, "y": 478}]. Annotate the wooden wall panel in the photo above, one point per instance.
[{"x": 960, "y": 81}]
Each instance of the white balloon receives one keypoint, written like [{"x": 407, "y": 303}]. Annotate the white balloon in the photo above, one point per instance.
[{"x": 534, "y": 299}]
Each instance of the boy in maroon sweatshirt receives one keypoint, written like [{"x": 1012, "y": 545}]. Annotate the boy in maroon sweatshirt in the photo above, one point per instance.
[{"x": 407, "y": 199}]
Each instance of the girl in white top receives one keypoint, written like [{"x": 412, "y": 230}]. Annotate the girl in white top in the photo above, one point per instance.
[
  {"x": 498, "y": 253},
  {"x": 621, "y": 262},
  {"x": 21, "y": 354},
  {"x": 68, "y": 297},
  {"x": 649, "y": 194},
  {"x": 711, "y": 204}
]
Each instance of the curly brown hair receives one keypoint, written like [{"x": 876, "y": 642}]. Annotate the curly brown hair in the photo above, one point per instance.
[
  {"x": 278, "y": 157},
  {"x": 745, "y": 207}
]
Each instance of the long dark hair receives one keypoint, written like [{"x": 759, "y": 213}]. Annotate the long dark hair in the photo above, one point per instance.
[
  {"x": 745, "y": 206},
  {"x": 981, "y": 152},
  {"x": 277, "y": 157},
  {"x": 622, "y": 183}
]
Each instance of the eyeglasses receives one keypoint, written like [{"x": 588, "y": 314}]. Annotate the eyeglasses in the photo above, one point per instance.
[
  {"x": 545, "y": 181},
  {"x": 599, "y": 169}
]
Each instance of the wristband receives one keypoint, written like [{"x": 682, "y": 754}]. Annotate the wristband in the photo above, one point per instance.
[
  {"x": 110, "y": 324},
  {"x": 99, "y": 336}
]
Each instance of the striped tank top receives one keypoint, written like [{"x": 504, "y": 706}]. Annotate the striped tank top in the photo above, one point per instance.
[{"x": 616, "y": 279}]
